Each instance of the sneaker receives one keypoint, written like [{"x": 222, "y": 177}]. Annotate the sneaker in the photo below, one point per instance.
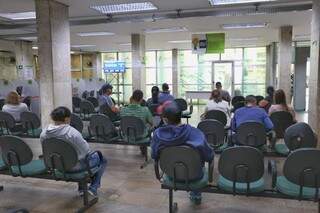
[
  {"x": 81, "y": 193},
  {"x": 93, "y": 192},
  {"x": 195, "y": 198}
]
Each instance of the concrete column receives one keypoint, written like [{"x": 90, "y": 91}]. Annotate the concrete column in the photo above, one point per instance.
[
  {"x": 24, "y": 59},
  {"x": 300, "y": 78},
  {"x": 271, "y": 77},
  {"x": 138, "y": 62},
  {"x": 285, "y": 59},
  {"x": 314, "y": 81},
  {"x": 54, "y": 56},
  {"x": 175, "y": 72},
  {"x": 99, "y": 65}
]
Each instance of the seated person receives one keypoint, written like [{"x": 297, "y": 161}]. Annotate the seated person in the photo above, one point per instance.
[
  {"x": 135, "y": 109},
  {"x": 224, "y": 93},
  {"x": 250, "y": 112},
  {"x": 165, "y": 94},
  {"x": 154, "y": 96},
  {"x": 268, "y": 100},
  {"x": 281, "y": 104},
  {"x": 61, "y": 129},
  {"x": 13, "y": 106},
  {"x": 176, "y": 134},
  {"x": 216, "y": 103},
  {"x": 105, "y": 98}
]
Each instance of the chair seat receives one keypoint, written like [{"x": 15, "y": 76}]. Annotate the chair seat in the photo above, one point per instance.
[
  {"x": 35, "y": 167},
  {"x": 241, "y": 188},
  {"x": 2, "y": 165},
  {"x": 35, "y": 132},
  {"x": 288, "y": 188},
  {"x": 186, "y": 113},
  {"x": 282, "y": 149},
  {"x": 193, "y": 185},
  {"x": 76, "y": 175}
]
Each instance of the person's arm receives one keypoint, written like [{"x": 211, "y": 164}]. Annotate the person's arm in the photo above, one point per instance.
[
  {"x": 267, "y": 122},
  {"x": 205, "y": 150},
  {"x": 111, "y": 105},
  {"x": 154, "y": 148},
  {"x": 233, "y": 123}
]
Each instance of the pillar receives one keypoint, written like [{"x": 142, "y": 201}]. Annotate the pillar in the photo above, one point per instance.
[
  {"x": 314, "y": 80},
  {"x": 24, "y": 59},
  {"x": 271, "y": 77},
  {"x": 300, "y": 78},
  {"x": 175, "y": 72},
  {"x": 285, "y": 60},
  {"x": 54, "y": 57},
  {"x": 138, "y": 62}
]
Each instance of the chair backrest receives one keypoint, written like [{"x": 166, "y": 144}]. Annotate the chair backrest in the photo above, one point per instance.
[
  {"x": 59, "y": 154},
  {"x": 302, "y": 167},
  {"x": 182, "y": 104},
  {"x": 6, "y": 121},
  {"x": 242, "y": 164},
  {"x": 76, "y": 102},
  {"x": 132, "y": 128},
  {"x": 15, "y": 151},
  {"x": 281, "y": 121},
  {"x": 91, "y": 94},
  {"x": 94, "y": 101},
  {"x": 30, "y": 120},
  {"x": 106, "y": 110},
  {"x": 237, "y": 99},
  {"x": 2, "y": 102},
  {"x": 300, "y": 135},
  {"x": 214, "y": 132},
  {"x": 86, "y": 107},
  {"x": 85, "y": 94},
  {"x": 217, "y": 115},
  {"x": 101, "y": 125},
  {"x": 251, "y": 133},
  {"x": 76, "y": 122},
  {"x": 181, "y": 163}
]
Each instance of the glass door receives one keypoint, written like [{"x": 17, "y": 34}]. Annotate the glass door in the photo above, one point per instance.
[{"x": 223, "y": 71}]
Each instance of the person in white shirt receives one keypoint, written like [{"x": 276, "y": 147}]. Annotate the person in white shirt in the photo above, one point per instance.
[
  {"x": 13, "y": 106},
  {"x": 217, "y": 103}
]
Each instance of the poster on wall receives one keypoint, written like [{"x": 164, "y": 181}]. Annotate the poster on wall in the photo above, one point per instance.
[{"x": 208, "y": 43}]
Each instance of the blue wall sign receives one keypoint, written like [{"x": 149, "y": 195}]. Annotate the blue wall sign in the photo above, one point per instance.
[{"x": 114, "y": 67}]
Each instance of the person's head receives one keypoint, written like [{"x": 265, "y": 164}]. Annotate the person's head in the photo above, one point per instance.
[
  {"x": 106, "y": 89},
  {"x": 218, "y": 85},
  {"x": 216, "y": 96},
  {"x": 13, "y": 98},
  {"x": 280, "y": 97},
  {"x": 137, "y": 97},
  {"x": 165, "y": 87},
  {"x": 61, "y": 115},
  {"x": 171, "y": 114},
  {"x": 155, "y": 93},
  {"x": 270, "y": 90},
  {"x": 251, "y": 100}
]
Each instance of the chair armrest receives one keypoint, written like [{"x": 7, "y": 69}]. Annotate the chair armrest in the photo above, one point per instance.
[
  {"x": 156, "y": 170},
  {"x": 210, "y": 170},
  {"x": 272, "y": 169}
]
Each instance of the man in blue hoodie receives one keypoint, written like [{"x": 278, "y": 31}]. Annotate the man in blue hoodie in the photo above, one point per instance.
[{"x": 176, "y": 134}]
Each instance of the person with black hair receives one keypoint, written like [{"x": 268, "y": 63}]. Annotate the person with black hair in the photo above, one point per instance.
[
  {"x": 176, "y": 134},
  {"x": 154, "y": 96},
  {"x": 61, "y": 129},
  {"x": 165, "y": 94},
  {"x": 105, "y": 97},
  {"x": 224, "y": 93}
]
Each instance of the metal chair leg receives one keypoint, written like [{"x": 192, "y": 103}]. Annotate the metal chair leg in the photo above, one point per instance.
[
  {"x": 170, "y": 201},
  {"x": 86, "y": 203}
]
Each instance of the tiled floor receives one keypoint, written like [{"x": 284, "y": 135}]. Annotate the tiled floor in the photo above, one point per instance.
[{"x": 128, "y": 189}]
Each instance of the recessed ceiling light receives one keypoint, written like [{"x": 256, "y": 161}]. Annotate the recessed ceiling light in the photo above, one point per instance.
[
  {"x": 224, "y": 2},
  {"x": 166, "y": 30},
  {"x": 19, "y": 16},
  {"x": 31, "y": 38},
  {"x": 124, "y": 8},
  {"x": 34, "y": 47},
  {"x": 125, "y": 44},
  {"x": 179, "y": 41},
  {"x": 244, "y": 26},
  {"x": 86, "y": 34},
  {"x": 83, "y": 45}
]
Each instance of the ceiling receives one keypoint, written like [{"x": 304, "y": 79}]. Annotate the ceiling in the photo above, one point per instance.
[{"x": 196, "y": 15}]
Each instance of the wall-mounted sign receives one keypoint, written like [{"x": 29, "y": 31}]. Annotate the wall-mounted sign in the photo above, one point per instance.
[
  {"x": 208, "y": 43},
  {"x": 114, "y": 67}
]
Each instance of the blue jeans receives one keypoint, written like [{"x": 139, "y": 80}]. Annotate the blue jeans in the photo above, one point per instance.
[
  {"x": 94, "y": 160},
  {"x": 195, "y": 195}
]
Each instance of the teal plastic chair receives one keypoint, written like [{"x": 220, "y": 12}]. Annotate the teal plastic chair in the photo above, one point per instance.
[
  {"x": 18, "y": 156},
  {"x": 31, "y": 124},
  {"x": 182, "y": 169},
  {"x": 134, "y": 131},
  {"x": 101, "y": 129},
  {"x": 241, "y": 170},
  {"x": 301, "y": 175},
  {"x": 7, "y": 124}
]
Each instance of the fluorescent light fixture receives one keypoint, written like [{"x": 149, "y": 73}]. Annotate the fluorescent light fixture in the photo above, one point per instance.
[
  {"x": 82, "y": 45},
  {"x": 244, "y": 39},
  {"x": 166, "y": 30},
  {"x": 72, "y": 52},
  {"x": 19, "y": 16},
  {"x": 34, "y": 47},
  {"x": 302, "y": 37},
  {"x": 31, "y": 38},
  {"x": 180, "y": 41},
  {"x": 125, "y": 44},
  {"x": 124, "y": 8},
  {"x": 244, "y": 26},
  {"x": 224, "y": 2},
  {"x": 86, "y": 34}
]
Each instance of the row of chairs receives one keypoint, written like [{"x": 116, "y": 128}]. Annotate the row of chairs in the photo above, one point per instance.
[
  {"x": 241, "y": 172},
  {"x": 59, "y": 157}
]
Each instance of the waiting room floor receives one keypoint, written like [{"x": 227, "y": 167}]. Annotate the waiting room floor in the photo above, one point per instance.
[{"x": 128, "y": 189}]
